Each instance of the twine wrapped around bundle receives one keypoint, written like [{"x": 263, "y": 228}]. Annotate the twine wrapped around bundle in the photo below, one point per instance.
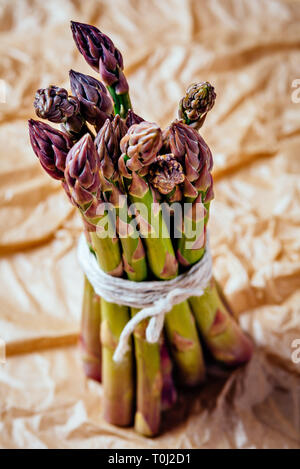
[{"x": 155, "y": 298}]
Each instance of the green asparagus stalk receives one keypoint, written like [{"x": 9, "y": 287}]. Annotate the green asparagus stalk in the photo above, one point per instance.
[
  {"x": 194, "y": 106},
  {"x": 100, "y": 53},
  {"x": 133, "y": 118},
  {"x": 108, "y": 146},
  {"x": 148, "y": 372},
  {"x": 140, "y": 147},
  {"x": 166, "y": 174},
  {"x": 83, "y": 180},
  {"x": 169, "y": 393},
  {"x": 222, "y": 335}
]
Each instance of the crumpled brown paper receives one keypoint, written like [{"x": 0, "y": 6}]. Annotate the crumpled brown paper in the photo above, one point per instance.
[{"x": 250, "y": 51}]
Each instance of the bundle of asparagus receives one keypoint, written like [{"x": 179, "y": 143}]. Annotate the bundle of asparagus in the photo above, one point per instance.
[{"x": 117, "y": 169}]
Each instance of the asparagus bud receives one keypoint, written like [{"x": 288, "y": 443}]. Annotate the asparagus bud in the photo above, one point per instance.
[
  {"x": 198, "y": 100},
  {"x": 82, "y": 171},
  {"x": 50, "y": 146},
  {"x": 101, "y": 54},
  {"x": 107, "y": 144},
  {"x": 133, "y": 118},
  {"x": 190, "y": 149},
  {"x": 54, "y": 104},
  {"x": 166, "y": 173},
  {"x": 90, "y": 42},
  {"x": 141, "y": 144},
  {"x": 95, "y": 104}
]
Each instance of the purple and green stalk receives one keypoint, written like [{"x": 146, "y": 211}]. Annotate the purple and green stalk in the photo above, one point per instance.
[
  {"x": 223, "y": 336},
  {"x": 169, "y": 393},
  {"x": 148, "y": 396},
  {"x": 219, "y": 329},
  {"x": 83, "y": 180},
  {"x": 101, "y": 54},
  {"x": 165, "y": 174},
  {"x": 51, "y": 147},
  {"x": 133, "y": 118},
  {"x": 149, "y": 382},
  {"x": 140, "y": 147}
]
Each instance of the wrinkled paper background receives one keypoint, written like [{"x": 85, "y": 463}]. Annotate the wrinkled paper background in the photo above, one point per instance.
[{"x": 250, "y": 51}]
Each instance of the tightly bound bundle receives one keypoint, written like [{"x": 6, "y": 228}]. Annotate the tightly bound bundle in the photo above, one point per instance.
[{"x": 143, "y": 194}]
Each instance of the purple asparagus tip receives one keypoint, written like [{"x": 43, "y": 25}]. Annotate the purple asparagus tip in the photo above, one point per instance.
[
  {"x": 92, "y": 44},
  {"x": 50, "y": 146},
  {"x": 133, "y": 118},
  {"x": 82, "y": 171},
  {"x": 101, "y": 54}
]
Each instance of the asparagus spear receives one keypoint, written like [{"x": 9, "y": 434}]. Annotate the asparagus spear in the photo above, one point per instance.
[
  {"x": 102, "y": 55},
  {"x": 83, "y": 180},
  {"x": 189, "y": 148},
  {"x": 222, "y": 335},
  {"x": 51, "y": 147},
  {"x": 148, "y": 372},
  {"x": 95, "y": 104},
  {"x": 54, "y": 104},
  {"x": 140, "y": 147}
]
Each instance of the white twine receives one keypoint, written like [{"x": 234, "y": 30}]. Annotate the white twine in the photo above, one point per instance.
[{"x": 155, "y": 298}]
